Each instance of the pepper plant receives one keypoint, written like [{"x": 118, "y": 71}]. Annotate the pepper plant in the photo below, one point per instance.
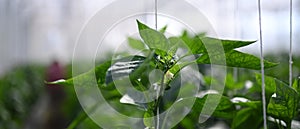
[{"x": 167, "y": 56}]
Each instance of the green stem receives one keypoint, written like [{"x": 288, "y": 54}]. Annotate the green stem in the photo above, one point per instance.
[
  {"x": 81, "y": 117},
  {"x": 160, "y": 91},
  {"x": 278, "y": 123},
  {"x": 289, "y": 124},
  {"x": 186, "y": 55}
]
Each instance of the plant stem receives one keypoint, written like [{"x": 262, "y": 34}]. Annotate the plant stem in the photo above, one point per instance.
[
  {"x": 289, "y": 124},
  {"x": 185, "y": 55},
  {"x": 157, "y": 114},
  {"x": 278, "y": 123},
  {"x": 159, "y": 92},
  {"x": 81, "y": 117}
]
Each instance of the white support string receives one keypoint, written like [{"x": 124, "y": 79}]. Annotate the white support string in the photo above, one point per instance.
[
  {"x": 262, "y": 66},
  {"x": 155, "y": 14},
  {"x": 236, "y": 18},
  {"x": 235, "y": 70},
  {"x": 291, "y": 45},
  {"x": 158, "y": 89}
]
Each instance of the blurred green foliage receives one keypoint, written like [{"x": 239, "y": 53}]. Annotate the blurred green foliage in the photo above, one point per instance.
[{"x": 19, "y": 90}]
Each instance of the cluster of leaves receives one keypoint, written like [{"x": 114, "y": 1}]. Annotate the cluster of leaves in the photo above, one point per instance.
[
  {"x": 241, "y": 106},
  {"x": 162, "y": 53}
]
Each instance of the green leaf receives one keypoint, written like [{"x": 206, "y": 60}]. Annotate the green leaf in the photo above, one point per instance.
[
  {"x": 270, "y": 84},
  {"x": 174, "y": 44},
  {"x": 163, "y": 30},
  {"x": 225, "y": 109},
  {"x": 227, "y": 44},
  {"x": 136, "y": 44},
  {"x": 296, "y": 85},
  {"x": 297, "y": 88},
  {"x": 283, "y": 105},
  {"x": 122, "y": 67},
  {"x": 247, "y": 118},
  {"x": 103, "y": 74},
  {"x": 251, "y": 104},
  {"x": 231, "y": 84},
  {"x": 154, "y": 39},
  {"x": 84, "y": 79},
  {"x": 194, "y": 44},
  {"x": 237, "y": 59},
  {"x": 198, "y": 44},
  {"x": 142, "y": 26}
]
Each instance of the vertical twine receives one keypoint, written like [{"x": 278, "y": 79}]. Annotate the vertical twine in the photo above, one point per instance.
[
  {"x": 155, "y": 14},
  {"x": 158, "y": 91},
  {"x": 235, "y": 70},
  {"x": 262, "y": 66},
  {"x": 291, "y": 45}
]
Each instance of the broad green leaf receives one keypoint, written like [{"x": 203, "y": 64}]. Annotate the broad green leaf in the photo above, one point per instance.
[
  {"x": 251, "y": 104},
  {"x": 103, "y": 72},
  {"x": 227, "y": 44},
  {"x": 194, "y": 44},
  {"x": 237, "y": 59},
  {"x": 136, "y": 44},
  {"x": 198, "y": 44},
  {"x": 85, "y": 78},
  {"x": 154, "y": 39},
  {"x": 142, "y": 26},
  {"x": 247, "y": 118},
  {"x": 283, "y": 105},
  {"x": 225, "y": 108},
  {"x": 270, "y": 84}
]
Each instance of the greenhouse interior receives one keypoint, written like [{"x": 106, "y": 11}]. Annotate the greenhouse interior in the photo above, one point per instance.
[{"x": 150, "y": 64}]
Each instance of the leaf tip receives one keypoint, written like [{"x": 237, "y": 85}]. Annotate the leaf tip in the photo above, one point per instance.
[
  {"x": 55, "y": 82},
  {"x": 270, "y": 64},
  {"x": 141, "y": 26}
]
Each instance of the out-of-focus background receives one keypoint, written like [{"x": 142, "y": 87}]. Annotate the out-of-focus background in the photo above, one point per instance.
[
  {"x": 38, "y": 37},
  {"x": 42, "y": 30}
]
